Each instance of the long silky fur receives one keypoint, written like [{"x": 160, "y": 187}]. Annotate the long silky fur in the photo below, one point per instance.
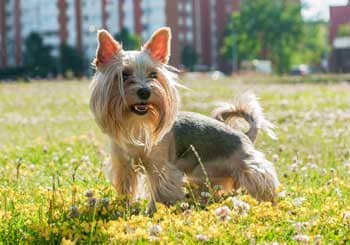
[
  {"x": 259, "y": 177},
  {"x": 112, "y": 114}
]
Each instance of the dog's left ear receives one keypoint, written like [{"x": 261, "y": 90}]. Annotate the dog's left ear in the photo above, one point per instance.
[{"x": 158, "y": 47}]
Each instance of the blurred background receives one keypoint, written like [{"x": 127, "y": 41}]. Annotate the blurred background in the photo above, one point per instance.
[{"x": 57, "y": 38}]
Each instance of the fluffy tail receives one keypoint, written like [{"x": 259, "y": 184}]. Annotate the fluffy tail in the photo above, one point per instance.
[{"x": 247, "y": 107}]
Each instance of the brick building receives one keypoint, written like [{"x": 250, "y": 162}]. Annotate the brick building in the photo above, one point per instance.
[{"x": 198, "y": 23}]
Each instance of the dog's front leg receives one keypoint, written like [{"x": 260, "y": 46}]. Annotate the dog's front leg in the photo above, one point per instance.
[{"x": 121, "y": 173}]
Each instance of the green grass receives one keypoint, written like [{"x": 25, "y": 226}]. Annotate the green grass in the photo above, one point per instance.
[{"x": 51, "y": 154}]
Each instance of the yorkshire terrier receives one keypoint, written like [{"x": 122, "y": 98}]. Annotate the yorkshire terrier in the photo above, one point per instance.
[{"x": 135, "y": 102}]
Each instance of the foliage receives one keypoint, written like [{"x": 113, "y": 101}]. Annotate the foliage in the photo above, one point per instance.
[
  {"x": 128, "y": 40},
  {"x": 344, "y": 30},
  {"x": 312, "y": 47},
  {"x": 53, "y": 190},
  {"x": 37, "y": 57},
  {"x": 189, "y": 57},
  {"x": 264, "y": 29},
  {"x": 70, "y": 60}
]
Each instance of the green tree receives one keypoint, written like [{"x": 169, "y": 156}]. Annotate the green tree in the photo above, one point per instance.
[
  {"x": 313, "y": 44},
  {"x": 189, "y": 57},
  {"x": 264, "y": 29},
  {"x": 37, "y": 58},
  {"x": 128, "y": 40},
  {"x": 70, "y": 60},
  {"x": 344, "y": 30}
]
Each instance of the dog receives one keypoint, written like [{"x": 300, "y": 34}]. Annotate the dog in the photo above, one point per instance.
[{"x": 154, "y": 146}]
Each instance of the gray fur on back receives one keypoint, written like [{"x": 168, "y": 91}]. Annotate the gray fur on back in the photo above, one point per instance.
[{"x": 211, "y": 138}]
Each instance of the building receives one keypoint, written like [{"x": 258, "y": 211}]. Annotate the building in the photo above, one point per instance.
[
  {"x": 196, "y": 23},
  {"x": 339, "y": 57}
]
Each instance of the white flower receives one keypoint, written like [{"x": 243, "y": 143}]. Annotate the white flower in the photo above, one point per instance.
[
  {"x": 298, "y": 201},
  {"x": 184, "y": 205},
  {"x": 205, "y": 194},
  {"x": 85, "y": 159},
  {"x": 155, "y": 230},
  {"x": 346, "y": 216},
  {"x": 301, "y": 238},
  {"x": 241, "y": 207},
  {"x": 223, "y": 213},
  {"x": 282, "y": 194},
  {"x": 202, "y": 238}
]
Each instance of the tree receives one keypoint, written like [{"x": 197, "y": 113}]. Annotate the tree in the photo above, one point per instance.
[
  {"x": 312, "y": 47},
  {"x": 189, "y": 57},
  {"x": 129, "y": 41},
  {"x": 37, "y": 58},
  {"x": 70, "y": 60},
  {"x": 344, "y": 30},
  {"x": 264, "y": 29}
]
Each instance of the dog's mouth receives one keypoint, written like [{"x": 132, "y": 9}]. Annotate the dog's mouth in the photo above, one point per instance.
[{"x": 140, "y": 108}]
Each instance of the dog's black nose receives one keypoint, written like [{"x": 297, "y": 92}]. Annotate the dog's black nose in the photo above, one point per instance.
[{"x": 144, "y": 93}]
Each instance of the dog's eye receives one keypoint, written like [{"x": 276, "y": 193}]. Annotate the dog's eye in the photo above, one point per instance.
[
  {"x": 153, "y": 75},
  {"x": 125, "y": 76}
]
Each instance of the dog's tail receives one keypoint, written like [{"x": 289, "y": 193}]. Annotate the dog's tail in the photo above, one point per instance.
[{"x": 245, "y": 106}]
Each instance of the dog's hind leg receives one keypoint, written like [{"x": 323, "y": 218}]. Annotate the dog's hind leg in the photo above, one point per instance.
[
  {"x": 166, "y": 182},
  {"x": 258, "y": 176}
]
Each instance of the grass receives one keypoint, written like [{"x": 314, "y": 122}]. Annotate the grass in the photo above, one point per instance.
[{"x": 52, "y": 189}]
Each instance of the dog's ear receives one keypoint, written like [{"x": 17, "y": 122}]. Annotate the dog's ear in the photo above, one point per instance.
[
  {"x": 107, "y": 48},
  {"x": 158, "y": 47}
]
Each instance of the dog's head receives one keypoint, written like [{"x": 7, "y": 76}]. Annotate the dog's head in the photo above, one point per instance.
[{"x": 134, "y": 97}]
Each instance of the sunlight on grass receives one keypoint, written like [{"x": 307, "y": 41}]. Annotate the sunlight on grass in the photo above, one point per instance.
[{"x": 52, "y": 188}]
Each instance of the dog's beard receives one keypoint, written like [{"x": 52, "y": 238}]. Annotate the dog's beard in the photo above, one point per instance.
[{"x": 146, "y": 131}]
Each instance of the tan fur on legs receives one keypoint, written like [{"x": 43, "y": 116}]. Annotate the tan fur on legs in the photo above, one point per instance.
[{"x": 121, "y": 172}]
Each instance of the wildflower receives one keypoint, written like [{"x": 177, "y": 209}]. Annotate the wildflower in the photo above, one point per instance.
[
  {"x": 187, "y": 212},
  {"x": 92, "y": 202},
  {"x": 298, "y": 201},
  {"x": 89, "y": 193},
  {"x": 74, "y": 212},
  {"x": 155, "y": 230},
  {"x": 184, "y": 205},
  {"x": 301, "y": 238},
  {"x": 223, "y": 213},
  {"x": 153, "y": 238},
  {"x": 346, "y": 216},
  {"x": 69, "y": 149},
  {"x": 85, "y": 159},
  {"x": 73, "y": 161},
  {"x": 338, "y": 192},
  {"x": 241, "y": 207},
  {"x": 318, "y": 240},
  {"x": 45, "y": 149},
  {"x": 55, "y": 157},
  {"x": 282, "y": 194},
  {"x": 202, "y": 238},
  {"x": 275, "y": 157},
  {"x": 205, "y": 194}
]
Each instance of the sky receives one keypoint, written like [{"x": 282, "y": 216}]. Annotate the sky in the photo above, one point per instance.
[{"x": 319, "y": 9}]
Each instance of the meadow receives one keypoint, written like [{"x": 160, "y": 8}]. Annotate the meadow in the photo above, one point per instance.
[{"x": 53, "y": 190}]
